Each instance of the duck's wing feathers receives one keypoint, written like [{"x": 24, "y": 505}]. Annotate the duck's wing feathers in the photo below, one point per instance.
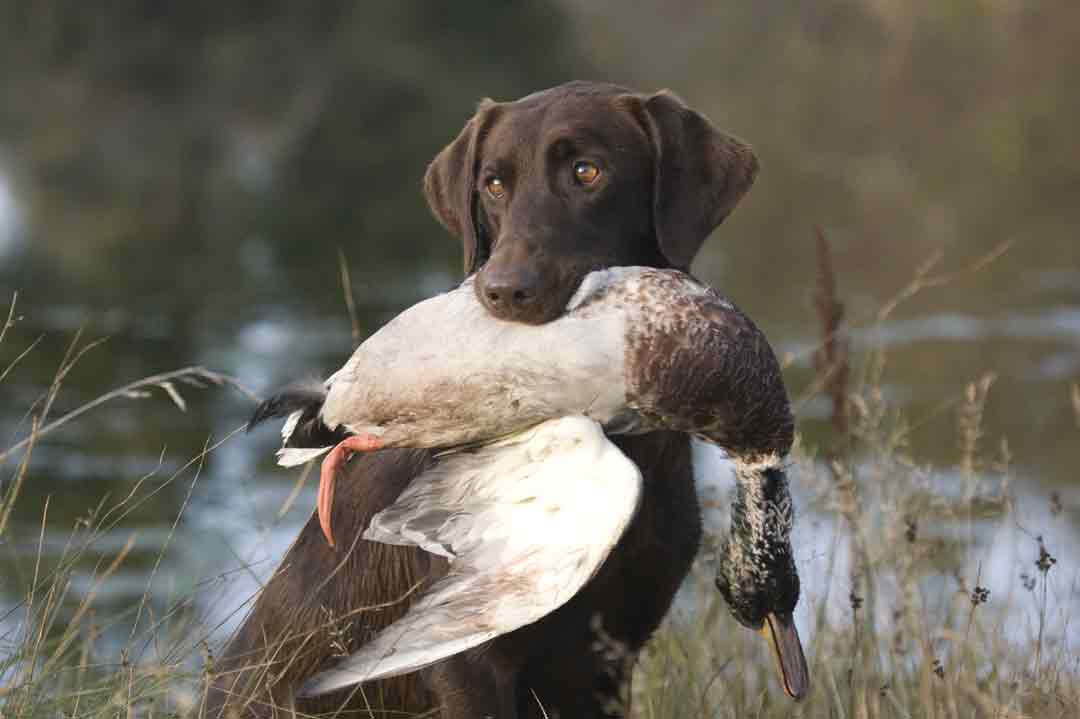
[{"x": 519, "y": 520}]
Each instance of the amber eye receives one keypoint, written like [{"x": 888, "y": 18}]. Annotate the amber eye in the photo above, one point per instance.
[
  {"x": 495, "y": 187},
  {"x": 585, "y": 172}
]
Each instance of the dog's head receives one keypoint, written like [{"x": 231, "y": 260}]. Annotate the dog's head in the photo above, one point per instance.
[{"x": 582, "y": 176}]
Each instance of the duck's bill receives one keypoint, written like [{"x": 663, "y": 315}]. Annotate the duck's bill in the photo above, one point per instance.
[{"x": 779, "y": 631}]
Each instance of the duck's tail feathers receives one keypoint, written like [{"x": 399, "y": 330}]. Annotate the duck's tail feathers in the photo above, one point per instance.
[
  {"x": 307, "y": 397},
  {"x": 302, "y": 404}
]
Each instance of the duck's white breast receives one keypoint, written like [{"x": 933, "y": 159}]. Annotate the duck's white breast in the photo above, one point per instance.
[{"x": 445, "y": 372}]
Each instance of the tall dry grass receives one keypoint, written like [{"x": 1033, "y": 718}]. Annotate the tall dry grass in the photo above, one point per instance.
[
  {"x": 906, "y": 629},
  {"x": 58, "y": 653}
]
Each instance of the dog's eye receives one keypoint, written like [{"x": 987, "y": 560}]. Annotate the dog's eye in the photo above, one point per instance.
[
  {"x": 495, "y": 186},
  {"x": 586, "y": 172}
]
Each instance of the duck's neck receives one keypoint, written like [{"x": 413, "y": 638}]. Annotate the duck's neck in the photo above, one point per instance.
[{"x": 759, "y": 545}]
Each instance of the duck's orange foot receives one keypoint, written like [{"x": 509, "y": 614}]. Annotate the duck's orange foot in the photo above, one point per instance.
[{"x": 333, "y": 463}]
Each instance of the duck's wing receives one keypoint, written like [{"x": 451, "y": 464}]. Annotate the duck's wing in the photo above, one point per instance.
[
  {"x": 526, "y": 522},
  {"x": 481, "y": 488}
]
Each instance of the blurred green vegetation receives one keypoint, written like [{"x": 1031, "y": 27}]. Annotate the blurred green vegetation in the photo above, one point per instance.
[{"x": 159, "y": 150}]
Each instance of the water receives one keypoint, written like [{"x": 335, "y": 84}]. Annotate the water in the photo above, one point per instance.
[{"x": 194, "y": 216}]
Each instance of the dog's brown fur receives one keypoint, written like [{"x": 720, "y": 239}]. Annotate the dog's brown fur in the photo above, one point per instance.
[{"x": 667, "y": 178}]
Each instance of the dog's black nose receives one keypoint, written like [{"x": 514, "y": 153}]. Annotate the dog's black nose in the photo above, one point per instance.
[{"x": 508, "y": 294}]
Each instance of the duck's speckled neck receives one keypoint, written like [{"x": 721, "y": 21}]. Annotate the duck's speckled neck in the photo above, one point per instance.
[{"x": 756, "y": 571}]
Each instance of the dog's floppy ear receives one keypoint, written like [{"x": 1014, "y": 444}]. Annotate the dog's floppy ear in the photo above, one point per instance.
[
  {"x": 700, "y": 175},
  {"x": 450, "y": 186}
]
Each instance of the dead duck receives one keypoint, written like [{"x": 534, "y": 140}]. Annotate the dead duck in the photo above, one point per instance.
[
  {"x": 638, "y": 349},
  {"x": 484, "y": 509}
]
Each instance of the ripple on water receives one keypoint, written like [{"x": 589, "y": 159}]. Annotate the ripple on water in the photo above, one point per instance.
[{"x": 10, "y": 221}]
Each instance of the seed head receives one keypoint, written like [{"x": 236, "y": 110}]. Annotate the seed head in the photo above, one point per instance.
[
  {"x": 1046, "y": 560},
  {"x": 911, "y": 529}
]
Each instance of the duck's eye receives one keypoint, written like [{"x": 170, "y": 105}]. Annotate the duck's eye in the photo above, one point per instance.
[
  {"x": 586, "y": 172},
  {"x": 495, "y": 187}
]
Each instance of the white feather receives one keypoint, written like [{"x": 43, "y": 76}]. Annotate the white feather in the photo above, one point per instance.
[
  {"x": 295, "y": 456},
  {"x": 290, "y": 425},
  {"x": 526, "y": 522}
]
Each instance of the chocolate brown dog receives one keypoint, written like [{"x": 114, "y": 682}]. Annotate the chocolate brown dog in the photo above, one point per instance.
[{"x": 541, "y": 191}]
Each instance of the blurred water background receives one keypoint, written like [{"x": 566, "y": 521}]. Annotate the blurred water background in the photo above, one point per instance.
[{"x": 180, "y": 178}]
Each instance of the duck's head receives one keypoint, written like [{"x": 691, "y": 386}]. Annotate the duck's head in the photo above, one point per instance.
[{"x": 756, "y": 568}]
